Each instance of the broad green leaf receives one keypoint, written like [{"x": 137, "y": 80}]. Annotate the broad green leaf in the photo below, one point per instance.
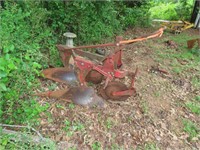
[
  {"x": 12, "y": 47},
  {"x": 11, "y": 66},
  {"x": 3, "y": 87},
  {"x": 2, "y": 74},
  {"x": 36, "y": 65}
]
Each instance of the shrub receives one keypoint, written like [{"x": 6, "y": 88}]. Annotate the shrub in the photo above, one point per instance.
[{"x": 22, "y": 37}]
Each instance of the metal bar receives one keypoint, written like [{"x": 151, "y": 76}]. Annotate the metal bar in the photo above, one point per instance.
[
  {"x": 90, "y": 46},
  {"x": 155, "y": 34},
  {"x": 89, "y": 55}
]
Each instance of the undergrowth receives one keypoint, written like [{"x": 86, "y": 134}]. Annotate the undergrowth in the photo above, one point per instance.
[{"x": 29, "y": 31}]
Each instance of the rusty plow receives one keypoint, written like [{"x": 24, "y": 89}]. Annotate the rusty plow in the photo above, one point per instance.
[{"x": 89, "y": 73}]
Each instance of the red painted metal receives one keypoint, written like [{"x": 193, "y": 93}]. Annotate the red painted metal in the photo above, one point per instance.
[
  {"x": 109, "y": 67},
  {"x": 123, "y": 93}
]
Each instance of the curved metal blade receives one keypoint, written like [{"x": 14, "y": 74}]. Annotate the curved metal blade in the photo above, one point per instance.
[
  {"x": 54, "y": 94},
  {"x": 60, "y": 75},
  {"x": 84, "y": 96}
]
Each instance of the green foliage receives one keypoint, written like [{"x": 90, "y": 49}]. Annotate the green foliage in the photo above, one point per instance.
[
  {"x": 191, "y": 129},
  {"x": 136, "y": 17},
  {"x": 30, "y": 30},
  {"x": 194, "y": 107},
  {"x": 148, "y": 146},
  {"x": 22, "y": 35},
  {"x": 197, "y": 98},
  {"x": 109, "y": 123},
  {"x": 171, "y": 9},
  {"x": 7, "y": 142},
  {"x": 196, "y": 50},
  {"x": 91, "y": 21},
  {"x": 96, "y": 146},
  {"x": 164, "y": 11},
  {"x": 184, "y": 9},
  {"x": 28, "y": 33},
  {"x": 71, "y": 127}
]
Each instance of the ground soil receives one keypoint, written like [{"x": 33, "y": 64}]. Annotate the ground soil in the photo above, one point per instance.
[{"x": 152, "y": 118}]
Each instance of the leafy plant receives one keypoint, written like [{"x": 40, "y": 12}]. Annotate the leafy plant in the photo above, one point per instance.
[
  {"x": 21, "y": 36},
  {"x": 164, "y": 11},
  {"x": 171, "y": 10}
]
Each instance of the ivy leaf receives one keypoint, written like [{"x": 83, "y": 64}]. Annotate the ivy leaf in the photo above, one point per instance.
[
  {"x": 36, "y": 65},
  {"x": 8, "y": 48},
  {"x": 3, "y": 87},
  {"x": 12, "y": 66},
  {"x": 2, "y": 74},
  {"x": 12, "y": 47}
]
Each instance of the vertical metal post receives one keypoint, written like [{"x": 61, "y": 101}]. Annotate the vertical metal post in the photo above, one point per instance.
[{"x": 69, "y": 41}]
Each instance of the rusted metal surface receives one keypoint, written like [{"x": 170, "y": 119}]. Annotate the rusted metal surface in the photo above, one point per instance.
[
  {"x": 158, "y": 33},
  {"x": 94, "y": 77},
  {"x": 95, "y": 68},
  {"x": 113, "y": 88},
  {"x": 90, "y": 46},
  {"x": 84, "y": 96},
  {"x": 191, "y": 43},
  {"x": 55, "y": 94},
  {"x": 60, "y": 75}
]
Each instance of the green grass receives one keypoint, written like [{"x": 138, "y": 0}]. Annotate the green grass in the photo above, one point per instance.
[
  {"x": 144, "y": 106},
  {"x": 71, "y": 127},
  {"x": 109, "y": 123},
  {"x": 96, "y": 146},
  {"x": 191, "y": 57},
  {"x": 71, "y": 106},
  {"x": 148, "y": 146},
  {"x": 191, "y": 128},
  {"x": 182, "y": 38},
  {"x": 195, "y": 81},
  {"x": 193, "y": 107},
  {"x": 197, "y": 98},
  {"x": 25, "y": 142}
]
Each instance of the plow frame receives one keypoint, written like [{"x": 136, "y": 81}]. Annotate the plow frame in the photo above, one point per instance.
[{"x": 110, "y": 66}]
